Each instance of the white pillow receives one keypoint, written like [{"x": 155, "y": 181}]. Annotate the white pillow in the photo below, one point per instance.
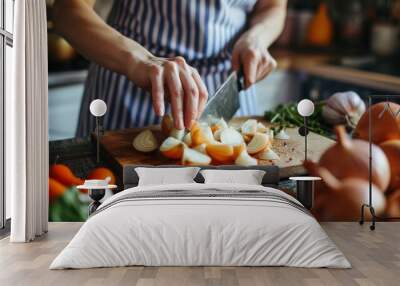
[
  {"x": 248, "y": 177},
  {"x": 166, "y": 176}
]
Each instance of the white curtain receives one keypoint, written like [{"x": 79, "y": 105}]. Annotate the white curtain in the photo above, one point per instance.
[{"x": 26, "y": 124}]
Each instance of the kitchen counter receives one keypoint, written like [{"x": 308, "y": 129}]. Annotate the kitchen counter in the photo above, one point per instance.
[
  {"x": 327, "y": 65},
  {"x": 61, "y": 79}
]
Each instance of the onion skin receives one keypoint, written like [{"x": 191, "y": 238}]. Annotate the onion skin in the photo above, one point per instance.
[
  {"x": 220, "y": 152},
  {"x": 393, "y": 204},
  {"x": 344, "y": 203},
  {"x": 391, "y": 149},
  {"x": 341, "y": 200},
  {"x": 383, "y": 129},
  {"x": 349, "y": 159}
]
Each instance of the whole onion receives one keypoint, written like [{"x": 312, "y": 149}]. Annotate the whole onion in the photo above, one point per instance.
[
  {"x": 343, "y": 108},
  {"x": 385, "y": 126},
  {"x": 349, "y": 159},
  {"x": 393, "y": 204},
  {"x": 391, "y": 149},
  {"x": 342, "y": 198}
]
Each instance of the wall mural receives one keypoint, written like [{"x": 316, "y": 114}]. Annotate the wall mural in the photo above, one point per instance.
[{"x": 94, "y": 133}]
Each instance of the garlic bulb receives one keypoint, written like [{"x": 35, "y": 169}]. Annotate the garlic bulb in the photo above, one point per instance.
[{"x": 343, "y": 108}]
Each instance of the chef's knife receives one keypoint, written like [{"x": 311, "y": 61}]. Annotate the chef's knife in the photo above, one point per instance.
[{"x": 225, "y": 101}]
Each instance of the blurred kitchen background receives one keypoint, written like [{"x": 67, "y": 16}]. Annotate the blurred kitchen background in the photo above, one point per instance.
[{"x": 327, "y": 46}]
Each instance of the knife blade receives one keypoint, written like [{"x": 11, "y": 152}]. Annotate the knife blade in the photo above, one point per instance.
[{"x": 225, "y": 101}]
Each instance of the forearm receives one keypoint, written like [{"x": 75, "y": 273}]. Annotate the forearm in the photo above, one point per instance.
[
  {"x": 94, "y": 39},
  {"x": 267, "y": 20}
]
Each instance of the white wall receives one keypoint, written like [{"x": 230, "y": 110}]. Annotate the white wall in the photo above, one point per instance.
[
  {"x": 279, "y": 87},
  {"x": 64, "y": 105}
]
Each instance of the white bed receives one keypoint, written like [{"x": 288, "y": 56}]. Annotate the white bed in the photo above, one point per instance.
[{"x": 225, "y": 225}]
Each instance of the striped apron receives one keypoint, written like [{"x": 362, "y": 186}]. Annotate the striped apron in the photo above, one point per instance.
[{"x": 201, "y": 31}]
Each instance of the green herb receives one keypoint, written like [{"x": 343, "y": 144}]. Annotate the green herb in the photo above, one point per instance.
[{"x": 286, "y": 116}]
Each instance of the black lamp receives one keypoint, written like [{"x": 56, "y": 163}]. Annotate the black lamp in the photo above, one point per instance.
[
  {"x": 305, "y": 108},
  {"x": 98, "y": 108},
  {"x": 305, "y": 185}
]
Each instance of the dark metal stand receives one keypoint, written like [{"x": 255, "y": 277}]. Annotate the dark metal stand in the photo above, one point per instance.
[
  {"x": 303, "y": 131},
  {"x": 305, "y": 138},
  {"x": 96, "y": 196},
  {"x": 99, "y": 132},
  {"x": 97, "y": 139},
  {"x": 305, "y": 193},
  {"x": 369, "y": 205}
]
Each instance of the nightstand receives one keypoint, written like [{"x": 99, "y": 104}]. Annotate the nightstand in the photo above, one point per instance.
[
  {"x": 305, "y": 190},
  {"x": 96, "y": 193}
]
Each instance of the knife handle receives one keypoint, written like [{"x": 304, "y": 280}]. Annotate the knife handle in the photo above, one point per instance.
[{"x": 240, "y": 79}]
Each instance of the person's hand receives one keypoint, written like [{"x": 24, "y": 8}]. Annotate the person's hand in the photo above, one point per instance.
[
  {"x": 174, "y": 80},
  {"x": 250, "y": 55}
]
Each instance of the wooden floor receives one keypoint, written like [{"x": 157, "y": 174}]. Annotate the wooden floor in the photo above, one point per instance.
[{"x": 375, "y": 257}]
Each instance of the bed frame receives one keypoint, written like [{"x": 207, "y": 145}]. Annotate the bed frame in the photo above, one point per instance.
[{"x": 271, "y": 177}]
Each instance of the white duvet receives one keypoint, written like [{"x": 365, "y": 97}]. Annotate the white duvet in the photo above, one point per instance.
[{"x": 200, "y": 231}]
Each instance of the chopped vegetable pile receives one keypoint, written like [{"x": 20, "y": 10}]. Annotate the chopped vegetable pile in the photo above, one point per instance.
[{"x": 213, "y": 142}]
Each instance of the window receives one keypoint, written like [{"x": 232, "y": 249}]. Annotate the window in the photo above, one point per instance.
[{"x": 6, "y": 43}]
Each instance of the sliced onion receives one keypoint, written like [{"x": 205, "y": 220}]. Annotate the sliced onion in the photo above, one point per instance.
[
  {"x": 231, "y": 136},
  {"x": 262, "y": 128},
  {"x": 195, "y": 158},
  {"x": 237, "y": 149},
  {"x": 201, "y": 134},
  {"x": 177, "y": 133},
  {"x": 219, "y": 125},
  {"x": 217, "y": 135},
  {"x": 259, "y": 142},
  {"x": 249, "y": 127},
  {"x": 244, "y": 159},
  {"x": 172, "y": 148},
  {"x": 202, "y": 148},
  {"x": 220, "y": 152},
  {"x": 268, "y": 154},
  {"x": 145, "y": 141},
  {"x": 188, "y": 139}
]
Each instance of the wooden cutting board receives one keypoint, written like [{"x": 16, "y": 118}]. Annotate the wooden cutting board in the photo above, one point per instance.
[{"x": 117, "y": 149}]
